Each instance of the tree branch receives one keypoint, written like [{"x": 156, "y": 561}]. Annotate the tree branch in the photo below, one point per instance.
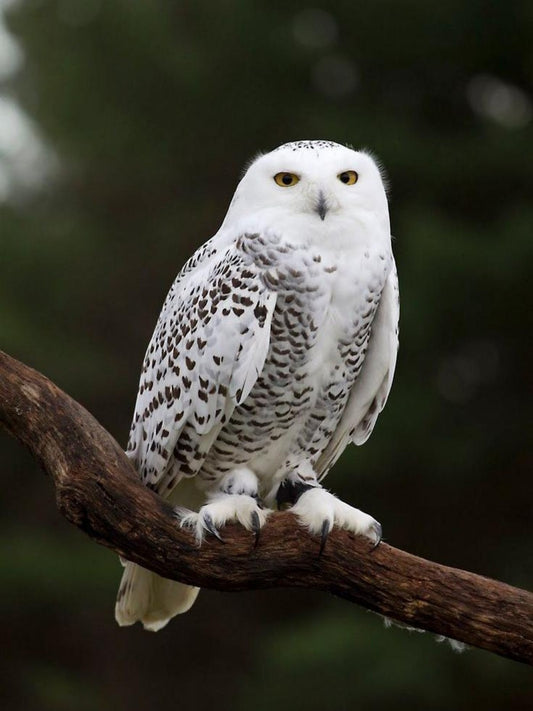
[{"x": 98, "y": 491}]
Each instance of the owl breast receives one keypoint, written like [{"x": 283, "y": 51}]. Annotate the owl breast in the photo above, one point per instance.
[{"x": 319, "y": 335}]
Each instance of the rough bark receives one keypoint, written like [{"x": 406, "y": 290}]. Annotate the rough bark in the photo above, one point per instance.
[{"x": 98, "y": 491}]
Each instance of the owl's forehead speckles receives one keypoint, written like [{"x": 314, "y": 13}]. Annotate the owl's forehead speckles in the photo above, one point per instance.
[{"x": 308, "y": 145}]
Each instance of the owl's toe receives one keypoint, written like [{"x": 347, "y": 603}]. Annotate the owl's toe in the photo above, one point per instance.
[
  {"x": 223, "y": 509},
  {"x": 319, "y": 510}
]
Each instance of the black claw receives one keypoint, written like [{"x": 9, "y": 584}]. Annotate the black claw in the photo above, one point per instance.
[
  {"x": 326, "y": 528},
  {"x": 256, "y": 527},
  {"x": 208, "y": 523},
  {"x": 378, "y": 531}
]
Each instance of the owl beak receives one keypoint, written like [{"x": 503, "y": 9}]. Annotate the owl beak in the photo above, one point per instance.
[{"x": 321, "y": 205}]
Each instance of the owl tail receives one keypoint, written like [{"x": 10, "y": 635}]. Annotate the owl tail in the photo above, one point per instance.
[{"x": 146, "y": 597}]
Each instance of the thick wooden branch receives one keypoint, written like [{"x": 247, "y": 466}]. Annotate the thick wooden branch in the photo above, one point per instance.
[{"x": 98, "y": 491}]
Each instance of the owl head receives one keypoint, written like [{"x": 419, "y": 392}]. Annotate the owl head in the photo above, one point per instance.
[{"x": 319, "y": 183}]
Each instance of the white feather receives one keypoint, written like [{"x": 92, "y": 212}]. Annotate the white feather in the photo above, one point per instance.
[{"x": 371, "y": 389}]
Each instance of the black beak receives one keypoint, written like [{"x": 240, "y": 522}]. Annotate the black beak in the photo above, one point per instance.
[{"x": 321, "y": 206}]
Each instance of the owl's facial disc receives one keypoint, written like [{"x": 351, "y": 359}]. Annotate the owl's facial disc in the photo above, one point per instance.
[{"x": 323, "y": 182}]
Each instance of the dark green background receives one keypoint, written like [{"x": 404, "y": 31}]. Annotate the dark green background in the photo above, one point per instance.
[{"x": 151, "y": 109}]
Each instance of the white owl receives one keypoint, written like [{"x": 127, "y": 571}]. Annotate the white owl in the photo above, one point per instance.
[{"x": 275, "y": 348}]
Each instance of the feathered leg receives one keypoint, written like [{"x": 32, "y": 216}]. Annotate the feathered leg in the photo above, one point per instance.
[
  {"x": 319, "y": 510},
  {"x": 234, "y": 499}
]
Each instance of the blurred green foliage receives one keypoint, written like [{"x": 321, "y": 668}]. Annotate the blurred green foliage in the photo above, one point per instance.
[{"x": 149, "y": 111}]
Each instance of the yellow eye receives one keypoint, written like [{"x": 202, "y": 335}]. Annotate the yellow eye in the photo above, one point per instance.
[
  {"x": 349, "y": 177},
  {"x": 286, "y": 180}
]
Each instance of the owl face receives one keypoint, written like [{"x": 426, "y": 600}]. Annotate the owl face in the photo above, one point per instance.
[{"x": 317, "y": 180}]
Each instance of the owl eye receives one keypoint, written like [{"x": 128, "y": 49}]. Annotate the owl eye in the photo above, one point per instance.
[
  {"x": 286, "y": 180},
  {"x": 349, "y": 177}
]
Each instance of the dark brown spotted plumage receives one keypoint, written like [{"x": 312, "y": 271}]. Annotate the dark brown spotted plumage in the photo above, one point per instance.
[{"x": 283, "y": 297}]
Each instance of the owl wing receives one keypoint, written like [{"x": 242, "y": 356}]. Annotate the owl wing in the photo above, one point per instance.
[
  {"x": 371, "y": 389},
  {"x": 207, "y": 351}
]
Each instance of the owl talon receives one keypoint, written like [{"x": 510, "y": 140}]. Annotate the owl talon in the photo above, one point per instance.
[
  {"x": 222, "y": 509},
  {"x": 326, "y": 528},
  {"x": 210, "y": 526},
  {"x": 378, "y": 531},
  {"x": 256, "y": 527},
  {"x": 319, "y": 511}
]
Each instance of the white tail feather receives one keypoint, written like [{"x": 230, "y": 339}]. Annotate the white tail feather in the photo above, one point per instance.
[{"x": 146, "y": 597}]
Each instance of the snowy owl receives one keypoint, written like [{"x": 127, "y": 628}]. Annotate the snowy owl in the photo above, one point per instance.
[{"x": 275, "y": 348}]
